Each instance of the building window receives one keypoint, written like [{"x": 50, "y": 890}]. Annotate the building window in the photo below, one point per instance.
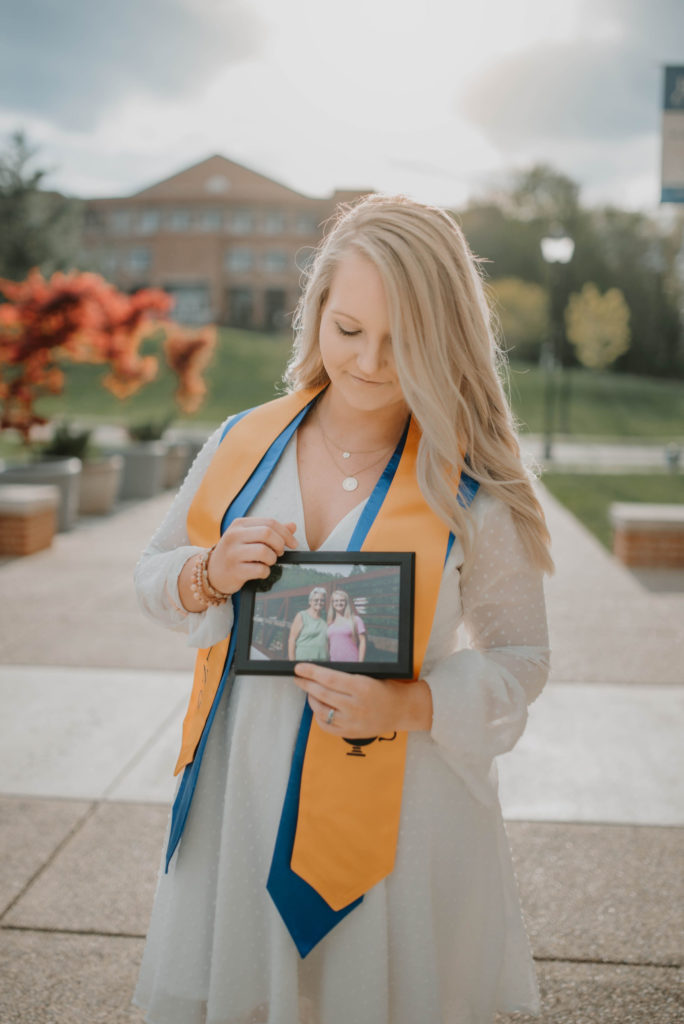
[
  {"x": 108, "y": 262},
  {"x": 274, "y": 222},
  {"x": 179, "y": 220},
  {"x": 304, "y": 257},
  {"x": 239, "y": 259},
  {"x": 275, "y": 316},
  {"x": 120, "y": 222},
  {"x": 240, "y": 307},
  {"x": 307, "y": 224},
  {"x": 192, "y": 302},
  {"x": 275, "y": 261},
  {"x": 139, "y": 260},
  {"x": 217, "y": 184},
  {"x": 210, "y": 220},
  {"x": 241, "y": 222},
  {"x": 148, "y": 222}
]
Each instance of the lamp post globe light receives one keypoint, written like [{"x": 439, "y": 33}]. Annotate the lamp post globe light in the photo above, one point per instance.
[{"x": 557, "y": 250}]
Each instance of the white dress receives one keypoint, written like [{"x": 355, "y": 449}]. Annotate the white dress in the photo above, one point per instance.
[{"x": 441, "y": 940}]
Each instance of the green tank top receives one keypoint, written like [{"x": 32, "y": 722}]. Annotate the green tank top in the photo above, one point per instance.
[{"x": 312, "y": 642}]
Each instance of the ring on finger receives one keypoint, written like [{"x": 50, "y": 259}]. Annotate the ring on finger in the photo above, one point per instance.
[{"x": 330, "y": 716}]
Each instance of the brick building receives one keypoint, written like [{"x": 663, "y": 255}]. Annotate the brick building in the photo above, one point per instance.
[{"x": 228, "y": 243}]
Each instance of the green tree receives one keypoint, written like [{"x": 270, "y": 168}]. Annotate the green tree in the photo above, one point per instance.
[
  {"x": 37, "y": 228},
  {"x": 506, "y": 246},
  {"x": 544, "y": 195},
  {"x": 523, "y": 311},
  {"x": 614, "y": 248},
  {"x": 638, "y": 255},
  {"x": 598, "y": 326}
]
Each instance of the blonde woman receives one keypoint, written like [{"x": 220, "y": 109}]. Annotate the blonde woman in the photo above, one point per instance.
[
  {"x": 308, "y": 639},
  {"x": 311, "y": 876},
  {"x": 346, "y": 629}
]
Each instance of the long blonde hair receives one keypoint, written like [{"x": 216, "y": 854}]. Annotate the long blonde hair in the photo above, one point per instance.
[{"x": 446, "y": 353}]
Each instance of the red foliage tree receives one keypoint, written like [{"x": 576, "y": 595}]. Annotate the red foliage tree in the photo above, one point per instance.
[
  {"x": 188, "y": 353},
  {"x": 78, "y": 317}
]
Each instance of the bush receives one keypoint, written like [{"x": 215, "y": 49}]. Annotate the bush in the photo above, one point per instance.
[{"x": 523, "y": 311}]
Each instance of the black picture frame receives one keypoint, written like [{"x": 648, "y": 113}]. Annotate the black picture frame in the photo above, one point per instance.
[{"x": 379, "y": 586}]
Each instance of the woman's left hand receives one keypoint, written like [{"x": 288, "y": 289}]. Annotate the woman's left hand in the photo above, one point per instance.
[{"x": 364, "y": 706}]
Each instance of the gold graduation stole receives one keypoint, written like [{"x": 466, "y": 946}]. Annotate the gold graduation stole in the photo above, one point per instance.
[{"x": 349, "y": 807}]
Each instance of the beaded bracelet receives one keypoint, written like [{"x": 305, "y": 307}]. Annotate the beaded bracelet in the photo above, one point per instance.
[
  {"x": 202, "y": 590},
  {"x": 196, "y": 584}
]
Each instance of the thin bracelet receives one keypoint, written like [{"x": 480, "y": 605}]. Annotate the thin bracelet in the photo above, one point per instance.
[{"x": 213, "y": 595}]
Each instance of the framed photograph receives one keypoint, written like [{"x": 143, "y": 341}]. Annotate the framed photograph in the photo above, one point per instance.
[{"x": 349, "y": 610}]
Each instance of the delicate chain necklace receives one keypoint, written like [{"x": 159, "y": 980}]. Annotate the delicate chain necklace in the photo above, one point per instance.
[
  {"x": 350, "y": 480},
  {"x": 347, "y": 453}
]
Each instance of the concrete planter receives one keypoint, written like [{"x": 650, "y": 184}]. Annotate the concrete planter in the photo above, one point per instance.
[
  {"x": 144, "y": 465},
  {"x": 177, "y": 459},
  {"x": 100, "y": 483},
  {"x": 63, "y": 473},
  {"x": 194, "y": 448}
]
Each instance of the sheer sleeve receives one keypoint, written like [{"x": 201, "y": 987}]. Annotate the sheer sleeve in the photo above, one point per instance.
[
  {"x": 481, "y": 691},
  {"x": 159, "y": 566}
]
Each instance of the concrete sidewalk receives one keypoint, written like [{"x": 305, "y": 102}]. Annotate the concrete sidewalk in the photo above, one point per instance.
[
  {"x": 90, "y": 722},
  {"x": 591, "y": 455}
]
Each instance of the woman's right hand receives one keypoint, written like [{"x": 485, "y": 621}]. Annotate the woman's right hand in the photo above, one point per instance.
[{"x": 247, "y": 550}]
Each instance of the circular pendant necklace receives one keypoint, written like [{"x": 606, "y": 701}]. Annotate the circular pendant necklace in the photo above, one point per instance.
[
  {"x": 350, "y": 483},
  {"x": 350, "y": 480}
]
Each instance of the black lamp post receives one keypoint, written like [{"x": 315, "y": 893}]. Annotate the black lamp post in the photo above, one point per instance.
[{"x": 557, "y": 249}]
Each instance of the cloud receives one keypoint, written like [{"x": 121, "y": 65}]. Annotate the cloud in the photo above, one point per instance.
[
  {"x": 69, "y": 61},
  {"x": 654, "y": 26},
  {"x": 604, "y": 86},
  {"x": 563, "y": 91}
]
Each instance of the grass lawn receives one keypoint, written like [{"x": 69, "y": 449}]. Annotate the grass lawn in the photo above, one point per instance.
[
  {"x": 604, "y": 405},
  {"x": 589, "y": 495},
  {"x": 247, "y": 365},
  {"x": 244, "y": 371}
]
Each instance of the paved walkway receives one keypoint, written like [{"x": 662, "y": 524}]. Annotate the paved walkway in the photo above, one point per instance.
[
  {"x": 90, "y": 722},
  {"x": 601, "y": 456}
]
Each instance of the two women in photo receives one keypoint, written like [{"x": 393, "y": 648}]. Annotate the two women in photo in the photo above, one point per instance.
[{"x": 339, "y": 635}]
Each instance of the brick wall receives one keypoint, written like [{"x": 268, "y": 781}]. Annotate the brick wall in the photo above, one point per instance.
[{"x": 649, "y": 548}]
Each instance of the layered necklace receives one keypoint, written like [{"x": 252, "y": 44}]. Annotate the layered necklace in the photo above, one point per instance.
[{"x": 350, "y": 477}]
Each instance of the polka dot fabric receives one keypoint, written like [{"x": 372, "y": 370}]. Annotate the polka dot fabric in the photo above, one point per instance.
[{"x": 441, "y": 940}]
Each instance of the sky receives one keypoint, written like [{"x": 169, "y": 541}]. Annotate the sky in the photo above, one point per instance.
[{"x": 438, "y": 99}]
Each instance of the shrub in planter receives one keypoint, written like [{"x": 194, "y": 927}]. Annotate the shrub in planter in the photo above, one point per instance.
[
  {"x": 101, "y": 478},
  {"x": 177, "y": 452},
  {"x": 145, "y": 459},
  {"x": 100, "y": 474}
]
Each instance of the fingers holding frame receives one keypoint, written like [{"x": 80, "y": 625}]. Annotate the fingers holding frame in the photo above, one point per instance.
[{"x": 247, "y": 550}]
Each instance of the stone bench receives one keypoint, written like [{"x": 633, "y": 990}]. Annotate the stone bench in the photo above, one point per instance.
[
  {"x": 28, "y": 517},
  {"x": 648, "y": 536}
]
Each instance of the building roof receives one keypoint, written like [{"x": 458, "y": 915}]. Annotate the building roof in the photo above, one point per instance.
[{"x": 219, "y": 178}]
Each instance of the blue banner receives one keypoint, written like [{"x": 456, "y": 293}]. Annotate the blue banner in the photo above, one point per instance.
[
  {"x": 674, "y": 89},
  {"x": 672, "y": 168}
]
